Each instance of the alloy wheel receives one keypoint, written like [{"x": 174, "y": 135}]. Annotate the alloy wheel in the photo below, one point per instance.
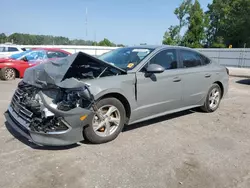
[
  {"x": 9, "y": 74},
  {"x": 214, "y": 98},
  {"x": 109, "y": 123}
]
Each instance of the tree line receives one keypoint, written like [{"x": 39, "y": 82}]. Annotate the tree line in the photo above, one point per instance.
[
  {"x": 225, "y": 23},
  {"x": 28, "y": 39}
]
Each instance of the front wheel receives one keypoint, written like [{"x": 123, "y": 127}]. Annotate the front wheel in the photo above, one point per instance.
[
  {"x": 213, "y": 99},
  {"x": 7, "y": 74},
  {"x": 112, "y": 122}
]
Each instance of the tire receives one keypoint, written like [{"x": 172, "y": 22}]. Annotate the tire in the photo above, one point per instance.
[
  {"x": 7, "y": 73},
  {"x": 211, "y": 106},
  {"x": 102, "y": 134}
]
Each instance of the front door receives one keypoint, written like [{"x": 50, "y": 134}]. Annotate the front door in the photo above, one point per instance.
[{"x": 160, "y": 92}]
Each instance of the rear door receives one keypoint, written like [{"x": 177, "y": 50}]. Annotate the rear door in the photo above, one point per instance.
[
  {"x": 161, "y": 92},
  {"x": 196, "y": 77}
]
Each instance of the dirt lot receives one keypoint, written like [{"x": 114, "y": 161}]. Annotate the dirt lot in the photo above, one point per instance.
[{"x": 188, "y": 149}]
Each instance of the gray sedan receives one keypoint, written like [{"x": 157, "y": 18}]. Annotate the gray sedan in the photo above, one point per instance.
[{"x": 83, "y": 97}]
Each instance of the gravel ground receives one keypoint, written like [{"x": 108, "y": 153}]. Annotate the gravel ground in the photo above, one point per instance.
[{"x": 188, "y": 149}]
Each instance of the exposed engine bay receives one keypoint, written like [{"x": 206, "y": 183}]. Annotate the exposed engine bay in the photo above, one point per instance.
[{"x": 27, "y": 103}]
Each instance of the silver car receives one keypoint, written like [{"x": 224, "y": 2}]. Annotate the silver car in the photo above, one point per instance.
[{"x": 82, "y": 97}]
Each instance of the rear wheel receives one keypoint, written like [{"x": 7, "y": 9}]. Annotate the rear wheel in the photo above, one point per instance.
[
  {"x": 108, "y": 128},
  {"x": 7, "y": 74},
  {"x": 213, "y": 99}
]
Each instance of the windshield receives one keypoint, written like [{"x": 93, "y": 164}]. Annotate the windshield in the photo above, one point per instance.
[
  {"x": 126, "y": 58},
  {"x": 30, "y": 55}
]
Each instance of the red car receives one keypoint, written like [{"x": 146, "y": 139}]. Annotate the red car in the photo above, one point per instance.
[{"x": 15, "y": 65}]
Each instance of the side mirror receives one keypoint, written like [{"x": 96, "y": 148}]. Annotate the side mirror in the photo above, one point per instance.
[
  {"x": 155, "y": 68},
  {"x": 25, "y": 59}
]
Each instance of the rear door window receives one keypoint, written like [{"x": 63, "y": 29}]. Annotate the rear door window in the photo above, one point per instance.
[{"x": 191, "y": 59}]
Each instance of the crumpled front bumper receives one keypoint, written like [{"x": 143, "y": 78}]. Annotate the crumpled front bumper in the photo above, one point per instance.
[{"x": 72, "y": 135}]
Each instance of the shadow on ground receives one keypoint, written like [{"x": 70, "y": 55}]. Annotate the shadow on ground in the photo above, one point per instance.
[
  {"x": 159, "y": 119},
  {"x": 26, "y": 141},
  {"x": 244, "y": 81}
]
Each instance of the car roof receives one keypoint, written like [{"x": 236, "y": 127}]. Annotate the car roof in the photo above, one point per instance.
[
  {"x": 51, "y": 49},
  {"x": 8, "y": 45},
  {"x": 161, "y": 47}
]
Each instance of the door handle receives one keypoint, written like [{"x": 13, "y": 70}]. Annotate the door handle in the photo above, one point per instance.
[
  {"x": 176, "y": 79},
  {"x": 207, "y": 75}
]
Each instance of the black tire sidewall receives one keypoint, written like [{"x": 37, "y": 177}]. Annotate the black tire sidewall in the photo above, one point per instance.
[
  {"x": 206, "y": 105},
  {"x": 89, "y": 132}
]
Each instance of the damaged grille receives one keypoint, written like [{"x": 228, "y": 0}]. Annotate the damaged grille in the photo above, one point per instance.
[{"x": 19, "y": 107}]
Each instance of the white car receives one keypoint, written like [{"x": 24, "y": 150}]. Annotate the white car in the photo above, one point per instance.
[{"x": 8, "y": 50}]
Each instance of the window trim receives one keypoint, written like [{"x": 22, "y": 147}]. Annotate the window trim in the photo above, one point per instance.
[
  {"x": 156, "y": 53},
  {"x": 202, "y": 63}
]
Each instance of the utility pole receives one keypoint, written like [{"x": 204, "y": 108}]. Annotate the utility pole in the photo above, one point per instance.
[
  {"x": 95, "y": 38},
  {"x": 86, "y": 21}
]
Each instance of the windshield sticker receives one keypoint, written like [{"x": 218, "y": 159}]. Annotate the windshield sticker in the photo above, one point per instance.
[
  {"x": 130, "y": 65},
  {"x": 141, "y": 50}
]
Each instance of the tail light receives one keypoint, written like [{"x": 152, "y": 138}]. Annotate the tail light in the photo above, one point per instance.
[{"x": 227, "y": 71}]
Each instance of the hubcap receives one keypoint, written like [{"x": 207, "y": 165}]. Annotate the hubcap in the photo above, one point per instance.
[
  {"x": 110, "y": 122},
  {"x": 214, "y": 98},
  {"x": 9, "y": 74}
]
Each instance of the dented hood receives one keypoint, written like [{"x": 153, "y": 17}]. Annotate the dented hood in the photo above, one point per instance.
[{"x": 53, "y": 72}]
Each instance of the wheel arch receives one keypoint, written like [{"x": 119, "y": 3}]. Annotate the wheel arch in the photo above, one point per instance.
[
  {"x": 221, "y": 87},
  {"x": 122, "y": 99},
  {"x": 16, "y": 71}
]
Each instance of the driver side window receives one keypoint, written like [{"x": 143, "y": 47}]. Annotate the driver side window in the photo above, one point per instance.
[{"x": 165, "y": 58}]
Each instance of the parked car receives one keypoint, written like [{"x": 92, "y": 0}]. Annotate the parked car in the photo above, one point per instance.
[
  {"x": 15, "y": 65},
  {"x": 82, "y": 97},
  {"x": 7, "y": 50}
]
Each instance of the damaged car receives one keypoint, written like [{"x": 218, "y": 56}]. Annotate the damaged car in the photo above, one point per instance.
[{"x": 79, "y": 97}]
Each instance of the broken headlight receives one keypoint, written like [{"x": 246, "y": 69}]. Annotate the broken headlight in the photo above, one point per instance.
[{"x": 72, "y": 98}]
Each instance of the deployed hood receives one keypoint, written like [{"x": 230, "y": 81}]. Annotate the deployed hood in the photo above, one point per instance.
[{"x": 54, "y": 72}]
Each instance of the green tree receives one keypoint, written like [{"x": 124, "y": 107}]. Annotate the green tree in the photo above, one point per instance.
[
  {"x": 181, "y": 13},
  {"x": 3, "y": 38},
  {"x": 195, "y": 34},
  {"x": 218, "y": 43},
  {"x": 120, "y": 45},
  {"x": 229, "y": 19},
  {"x": 105, "y": 42},
  {"x": 171, "y": 36},
  {"x": 28, "y": 39}
]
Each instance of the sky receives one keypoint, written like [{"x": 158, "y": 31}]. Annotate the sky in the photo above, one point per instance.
[{"x": 129, "y": 22}]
